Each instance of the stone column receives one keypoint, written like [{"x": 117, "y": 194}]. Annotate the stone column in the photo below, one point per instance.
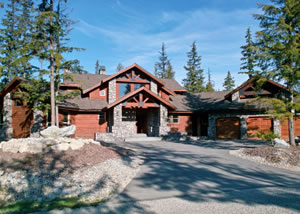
[
  {"x": 277, "y": 127},
  {"x": 243, "y": 127},
  {"x": 112, "y": 91},
  {"x": 153, "y": 87},
  {"x": 7, "y": 117},
  {"x": 212, "y": 125},
  {"x": 38, "y": 120},
  {"x": 163, "y": 120}
]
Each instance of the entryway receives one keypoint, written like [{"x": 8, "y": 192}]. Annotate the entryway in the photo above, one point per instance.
[{"x": 141, "y": 121}]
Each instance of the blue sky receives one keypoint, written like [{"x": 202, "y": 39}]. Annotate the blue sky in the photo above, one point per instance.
[{"x": 132, "y": 31}]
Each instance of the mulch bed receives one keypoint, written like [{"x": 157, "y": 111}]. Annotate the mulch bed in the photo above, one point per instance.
[
  {"x": 87, "y": 156},
  {"x": 276, "y": 155}
]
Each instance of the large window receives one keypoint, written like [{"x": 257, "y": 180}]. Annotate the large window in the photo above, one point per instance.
[
  {"x": 137, "y": 86},
  {"x": 124, "y": 88},
  {"x": 173, "y": 119}
]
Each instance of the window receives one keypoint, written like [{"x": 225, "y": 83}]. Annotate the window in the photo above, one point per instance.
[
  {"x": 66, "y": 119},
  {"x": 102, "y": 93},
  {"x": 173, "y": 119},
  {"x": 124, "y": 88},
  {"x": 101, "y": 116},
  {"x": 137, "y": 86},
  {"x": 18, "y": 102}
]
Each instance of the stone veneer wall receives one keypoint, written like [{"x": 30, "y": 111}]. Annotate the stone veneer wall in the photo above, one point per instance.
[
  {"x": 123, "y": 129},
  {"x": 7, "y": 130},
  {"x": 212, "y": 124},
  {"x": 163, "y": 120},
  {"x": 235, "y": 97},
  {"x": 153, "y": 87},
  {"x": 38, "y": 119},
  {"x": 112, "y": 90}
]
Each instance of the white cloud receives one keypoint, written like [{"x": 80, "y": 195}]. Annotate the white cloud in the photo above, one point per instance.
[{"x": 219, "y": 36}]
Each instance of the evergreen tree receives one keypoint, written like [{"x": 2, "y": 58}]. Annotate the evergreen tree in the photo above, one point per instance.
[
  {"x": 120, "y": 67},
  {"x": 194, "y": 81},
  {"x": 228, "y": 82},
  {"x": 163, "y": 68},
  {"x": 249, "y": 51},
  {"x": 49, "y": 43},
  {"x": 97, "y": 67},
  {"x": 209, "y": 86},
  {"x": 279, "y": 53}
]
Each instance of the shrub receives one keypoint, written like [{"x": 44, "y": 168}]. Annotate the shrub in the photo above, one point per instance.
[{"x": 267, "y": 136}]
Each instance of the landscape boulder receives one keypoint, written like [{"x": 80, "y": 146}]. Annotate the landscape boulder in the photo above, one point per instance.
[
  {"x": 55, "y": 132},
  {"x": 281, "y": 143}
]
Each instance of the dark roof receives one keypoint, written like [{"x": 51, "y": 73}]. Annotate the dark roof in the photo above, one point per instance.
[
  {"x": 83, "y": 104},
  {"x": 172, "y": 84},
  {"x": 86, "y": 80},
  {"x": 213, "y": 101}
]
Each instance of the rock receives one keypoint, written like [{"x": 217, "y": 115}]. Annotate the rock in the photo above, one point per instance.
[
  {"x": 32, "y": 147},
  {"x": 76, "y": 145},
  {"x": 297, "y": 140},
  {"x": 54, "y": 131},
  {"x": 281, "y": 143},
  {"x": 61, "y": 147}
]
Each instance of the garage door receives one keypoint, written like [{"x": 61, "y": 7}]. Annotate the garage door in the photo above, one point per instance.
[
  {"x": 285, "y": 128},
  {"x": 228, "y": 128},
  {"x": 258, "y": 124}
]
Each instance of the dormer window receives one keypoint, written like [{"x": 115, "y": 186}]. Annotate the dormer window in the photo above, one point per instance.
[{"x": 102, "y": 93}]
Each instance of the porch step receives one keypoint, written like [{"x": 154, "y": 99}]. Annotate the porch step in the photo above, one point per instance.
[{"x": 141, "y": 138}]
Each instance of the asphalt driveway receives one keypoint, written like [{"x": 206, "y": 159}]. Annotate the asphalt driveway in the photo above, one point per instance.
[{"x": 203, "y": 178}]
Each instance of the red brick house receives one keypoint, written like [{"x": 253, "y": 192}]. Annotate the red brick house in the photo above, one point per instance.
[{"x": 134, "y": 101}]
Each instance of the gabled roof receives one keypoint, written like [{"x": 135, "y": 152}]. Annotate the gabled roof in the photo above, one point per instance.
[
  {"x": 129, "y": 95},
  {"x": 108, "y": 78},
  {"x": 173, "y": 85},
  {"x": 251, "y": 80},
  {"x": 16, "y": 81}
]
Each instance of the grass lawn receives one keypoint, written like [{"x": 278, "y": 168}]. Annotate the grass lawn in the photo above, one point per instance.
[{"x": 35, "y": 206}]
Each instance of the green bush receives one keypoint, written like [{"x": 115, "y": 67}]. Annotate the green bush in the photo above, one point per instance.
[{"x": 267, "y": 136}]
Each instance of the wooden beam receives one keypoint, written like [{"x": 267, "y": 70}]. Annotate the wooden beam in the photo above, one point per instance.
[
  {"x": 135, "y": 100},
  {"x": 147, "y": 98},
  {"x": 123, "y": 80},
  {"x": 136, "y": 105}
]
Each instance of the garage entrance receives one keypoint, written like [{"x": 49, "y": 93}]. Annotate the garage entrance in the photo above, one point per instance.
[
  {"x": 228, "y": 128},
  {"x": 258, "y": 124}
]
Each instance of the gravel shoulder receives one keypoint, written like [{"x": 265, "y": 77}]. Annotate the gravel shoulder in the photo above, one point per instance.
[{"x": 288, "y": 158}]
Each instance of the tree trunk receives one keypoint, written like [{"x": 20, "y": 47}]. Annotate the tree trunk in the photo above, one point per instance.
[
  {"x": 52, "y": 88},
  {"x": 291, "y": 120},
  {"x": 52, "y": 84}
]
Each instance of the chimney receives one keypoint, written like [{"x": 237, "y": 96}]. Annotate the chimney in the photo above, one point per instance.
[{"x": 102, "y": 70}]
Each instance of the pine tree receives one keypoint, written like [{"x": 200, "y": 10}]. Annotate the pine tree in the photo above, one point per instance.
[
  {"x": 279, "y": 53},
  {"x": 209, "y": 86},
  {"x": 228, "y": 82},
  {"x": 97, "y": 67},
  {"x": 249, "y": 54},
  {"x": 9, "y": 38},
  {"x": 194, "y": 81},
  {"x": 120, "y": 67},
  {"x": 49, "y": 43},
  {"x": 163, "y": 68}
]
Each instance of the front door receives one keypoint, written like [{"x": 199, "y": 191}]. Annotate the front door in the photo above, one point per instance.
[{"x": 141, "y": 121}]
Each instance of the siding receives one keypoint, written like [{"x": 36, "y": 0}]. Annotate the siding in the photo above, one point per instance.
[
  {"x": 87, "y": 124},
  {"x": 184, "y": 124},
  {"x": 285, "y": 128}
]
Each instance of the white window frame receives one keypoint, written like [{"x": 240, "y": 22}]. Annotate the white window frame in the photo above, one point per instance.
[
  {"x": 66, "y": 123},
  {"x": 102, "y": 93},
  {"x": 101, "y": 116},
  {"x": 171, "y": 119}
]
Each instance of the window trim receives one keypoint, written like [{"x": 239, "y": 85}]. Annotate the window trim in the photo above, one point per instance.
[
  {"x": 171, "y": 119},
  {"x": 66, "y": 123},
  {"x": 100, "y": 115},
  {"x": 102, "y": 91}
]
